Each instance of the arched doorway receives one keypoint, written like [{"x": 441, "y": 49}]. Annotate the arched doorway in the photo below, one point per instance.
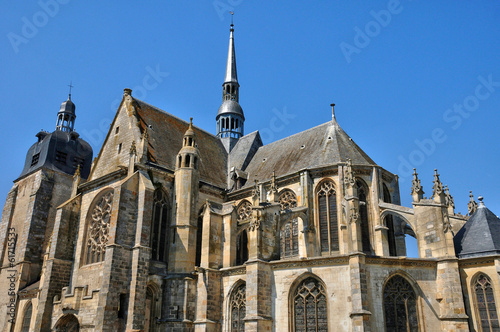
[{"x": 67, "y": 323}]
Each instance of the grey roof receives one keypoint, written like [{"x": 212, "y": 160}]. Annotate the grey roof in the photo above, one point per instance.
[
  {"x": 165, "y": 141},
  {"x": 67, "y": 106},
  {"x": 480, "y": 236},
  {"x": 324, "y": 145},
  {"x": 231, "y": 75},
  {"x": 230, "y": 106},
  {"x": 60, "y": 150},
  {"x": 242, "y": 153}
]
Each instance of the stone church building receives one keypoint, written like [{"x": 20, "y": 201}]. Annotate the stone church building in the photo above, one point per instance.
[{"x": 172, "y": 228}]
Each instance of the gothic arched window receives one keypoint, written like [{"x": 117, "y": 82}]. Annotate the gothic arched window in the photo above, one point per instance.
[
  {"x": 400, "y": 305},
  {"x": 237, "y": 307},
  {"x": 363, "y": 217},
  {"x": 486, "y": 312},
  {"x": 389, "y": 222},
  {"x": 309, "y": 309},
  {"x": 98, "y": 228},
  {"x": 27, "y": 318},
  {"x": 327, "y": 215},
  {"x": 289, "y": 232},
  {"x": 159, "y": 226}
]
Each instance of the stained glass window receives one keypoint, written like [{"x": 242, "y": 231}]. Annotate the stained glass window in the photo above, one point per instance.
[
  {"x": 328, "y": 223},
  {"x": 238, "y": 308},
  {"x": 400, "y": 306},
  {"x": 27, "y": 318},
  {"x": 309, "y": 307},
  {"x": 159, "y": 227},
  {"x": 98, "y": 231},
  {"x": 363, "y": 218},
  {"x": 485, "y": 304},
  {"x": 289, "y": 232}
]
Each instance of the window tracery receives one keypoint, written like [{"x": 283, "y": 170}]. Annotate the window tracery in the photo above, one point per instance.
[
  {"x": 485, "y": 304},
  {"x": 159, "y": 226},
  {"x": 244, "y": 211},
  {"x": 309, "y": 307},
  {"x": 327, "y": 215},
  {"x": 400, "y": 305},
  {"x": 289, "y": 232},
  {"x": 238, "y": 308},
  {"x": 98, "y": 230}
]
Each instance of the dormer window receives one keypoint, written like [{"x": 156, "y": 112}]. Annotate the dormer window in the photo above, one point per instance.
[
  {"x": 34, "y": 159},
  {"x": 61, "y": 157}
]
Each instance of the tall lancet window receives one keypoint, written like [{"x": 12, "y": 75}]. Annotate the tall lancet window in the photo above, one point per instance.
[
  {"x": 238, "y": 305},
  {"x": 400, "y": 306},
  {"x": 363, "y": 217},
  {"x": 159, "y": 226},
  {"x": 309, "y": 308},
  {"x": 98, "y": 227},
  {"x": 486, "y": 312},
  {"x": 327, "y": 215},
  {"x": 289, "y": 231},
  {"x": 389, "y": 222}
]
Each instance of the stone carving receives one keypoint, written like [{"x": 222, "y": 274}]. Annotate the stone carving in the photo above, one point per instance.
[
  {"x": 254, "y": 224},
  {"x": 349, "y": 179},
  {"x": 256, "y": 190},
  {"x": 133, "y": 148},
  {"x": 472, "y": 205},
  {"x": 244, "y": 211},
  {"x": 274, "y": 186},
  {"x": 416, "y": 187},
  {"x": 437, "y": 188},
  {"x": 354, "y": 215},
  {"x": 448, "y": 198},
  {"x": 446, "y": 223},
  {"x": 287, "y": 200},
  {"x": 98, "y": 230}
]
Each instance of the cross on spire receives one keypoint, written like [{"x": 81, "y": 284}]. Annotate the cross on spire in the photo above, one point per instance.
[{"x": 70, "y": 86}]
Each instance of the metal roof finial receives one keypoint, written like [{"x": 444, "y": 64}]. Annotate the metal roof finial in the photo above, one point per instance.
[
  {"x": 333, "y": 111},
  {"x": 70, "y": 86},
  {"x": 232, "y": 25}
]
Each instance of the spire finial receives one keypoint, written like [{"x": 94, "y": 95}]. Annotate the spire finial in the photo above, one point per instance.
[
  {"x": 333, "y": 110},
  {"x": 191, "y": 122},
  {"x": 472, "y": 205},
  {"x": 70, "y": 86},
  {"x": 232, "y": 25}
]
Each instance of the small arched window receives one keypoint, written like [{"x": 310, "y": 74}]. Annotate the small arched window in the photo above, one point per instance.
[
  {"x": 159, "y": 226},
  {"x": 199, "y": 238},
  {"x": 187, "y": 160},
  {"x": 309, "y": 307},
  {"x": 98, "y": 227},
  {"x": 363, "y": 217},
  {"x": 400, "y": 305},
  {"x": 289, "y": 231},
  {"x": 242, "y": 248},
  {"x": 151, "y": 314},
  {"x": 327, "y": 215},
  {"x": 237, "y": 308},
  {"x": 27, "y": 318},
  {"x": 486, "y": 313}
]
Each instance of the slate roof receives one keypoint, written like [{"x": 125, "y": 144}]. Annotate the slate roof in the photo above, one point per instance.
[
  {"x": 59, "y": 150},
  {"x": 165, "y": 141},
  {"x": 326, "y": 144},
  {"x": 480, "y": 236}
]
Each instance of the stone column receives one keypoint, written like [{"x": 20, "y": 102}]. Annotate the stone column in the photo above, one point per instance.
[
  {"x": 450, "y": 296},
  {"x": 259, "y": 296},
  {"x": 208, "y": 301},
  {"x": 360, "y": 315}
]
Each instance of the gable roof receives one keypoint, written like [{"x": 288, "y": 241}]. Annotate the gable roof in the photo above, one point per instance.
[
  {"x": 326, "y": 144},
  {"x": 165, "y": 133},
  {"x": 480, "y": 236}
]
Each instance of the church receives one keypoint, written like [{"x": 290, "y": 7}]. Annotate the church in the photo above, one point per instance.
[{"x": 172, "y": 228}]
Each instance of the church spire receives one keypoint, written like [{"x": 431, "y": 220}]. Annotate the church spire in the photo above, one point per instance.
[
  {"x": 66, "y": 115},
  {"x": 230, "y": 118}
]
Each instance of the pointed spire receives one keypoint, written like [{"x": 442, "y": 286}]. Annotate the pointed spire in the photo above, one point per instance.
[
  {"x": 231, "y": 75},
  {"x": 472, "y": 205},
  {"x": 437, "y": 188},
  {"x": 416, "y": 188}
]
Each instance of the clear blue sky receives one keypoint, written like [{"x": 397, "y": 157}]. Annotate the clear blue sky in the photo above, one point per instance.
[{"x": 416, "y": 83}]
